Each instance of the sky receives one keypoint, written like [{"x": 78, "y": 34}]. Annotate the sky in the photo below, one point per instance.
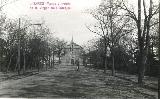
[{"x": 62, "y": 23}]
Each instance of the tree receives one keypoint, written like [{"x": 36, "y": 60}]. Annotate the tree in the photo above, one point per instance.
[
  {"x": 32, "y": 45},
  {"x": 60, "y": 45},
  {"x": 2, "y": 41},
  {"x": 143, "y": 32},
  {"x": 52, "y": 52},
  {"x": 111, "y": 27},
  {"x": 39, "y": 49},
  {"x": 3, "y": 51}
]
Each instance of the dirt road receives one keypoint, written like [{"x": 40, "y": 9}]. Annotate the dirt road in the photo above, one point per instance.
[{"x": 65, "y": 82}]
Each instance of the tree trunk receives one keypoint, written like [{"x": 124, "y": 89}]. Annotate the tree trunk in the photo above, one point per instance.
[
  {"x": 159, "y": 71},
  {"x": 105, "y": 64},
  {"x": 105, "y": 57},
  {"x": 38, "y": 63},
  {"x": 49, "y": 61},
  {"x": 49, "y": 58},
  {"x": 24, "y": 61},
  {"x": 141, "y": 69},
  {"x": 140, "y": 62},
  {"x": 19, "y": 58},
  {"x": 112, "y": 37},
  {"x": 16, "y": 66},
  {"x": 10, "y": 60},
  {"x": 159, "y": 56},
  {"x": 46, "y": 65},
  {"x": 53, "y": 61},
  {"x": 19, "y": 49},
  {"x": 113, "y": 66}
]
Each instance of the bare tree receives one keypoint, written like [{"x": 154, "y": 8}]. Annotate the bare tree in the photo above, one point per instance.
[
  {"x": 143, "y": 32},
  {"x": 111, "y": 27}
]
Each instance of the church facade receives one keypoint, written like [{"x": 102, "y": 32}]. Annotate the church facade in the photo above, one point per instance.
[{"x": 73, "y": 52}]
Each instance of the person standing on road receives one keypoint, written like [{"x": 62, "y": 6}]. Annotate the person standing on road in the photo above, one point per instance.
[
  {"x": 72, "y": 61},
  {"x": 77, "y": 64}
]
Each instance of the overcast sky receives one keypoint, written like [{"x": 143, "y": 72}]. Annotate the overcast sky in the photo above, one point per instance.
[{"x": 63, "y": 23}]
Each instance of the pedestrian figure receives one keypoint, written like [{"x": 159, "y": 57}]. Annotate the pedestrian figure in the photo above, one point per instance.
[
  {"x": 77, "y": 64},
  {"x": 72, "y": 61}
]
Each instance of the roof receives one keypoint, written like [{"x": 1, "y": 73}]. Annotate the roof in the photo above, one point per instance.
[{"x": 75, "y": 46}]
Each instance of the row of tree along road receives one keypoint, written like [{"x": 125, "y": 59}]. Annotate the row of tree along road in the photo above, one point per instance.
[
  {"x": 27, "y": 46},
  {"x": 128, "y": 37}
]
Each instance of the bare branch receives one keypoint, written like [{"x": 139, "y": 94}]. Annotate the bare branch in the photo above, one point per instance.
[
  {"x": 6, "y": 3},
  {"x": 130, "y": 13},
  {"x": 94, "y": 31}
]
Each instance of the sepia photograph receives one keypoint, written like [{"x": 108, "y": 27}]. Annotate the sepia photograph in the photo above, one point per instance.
[{"x": 80, "y": 49}]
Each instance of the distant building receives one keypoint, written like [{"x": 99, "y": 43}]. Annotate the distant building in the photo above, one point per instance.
[{"x": 73, "y": 52}]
